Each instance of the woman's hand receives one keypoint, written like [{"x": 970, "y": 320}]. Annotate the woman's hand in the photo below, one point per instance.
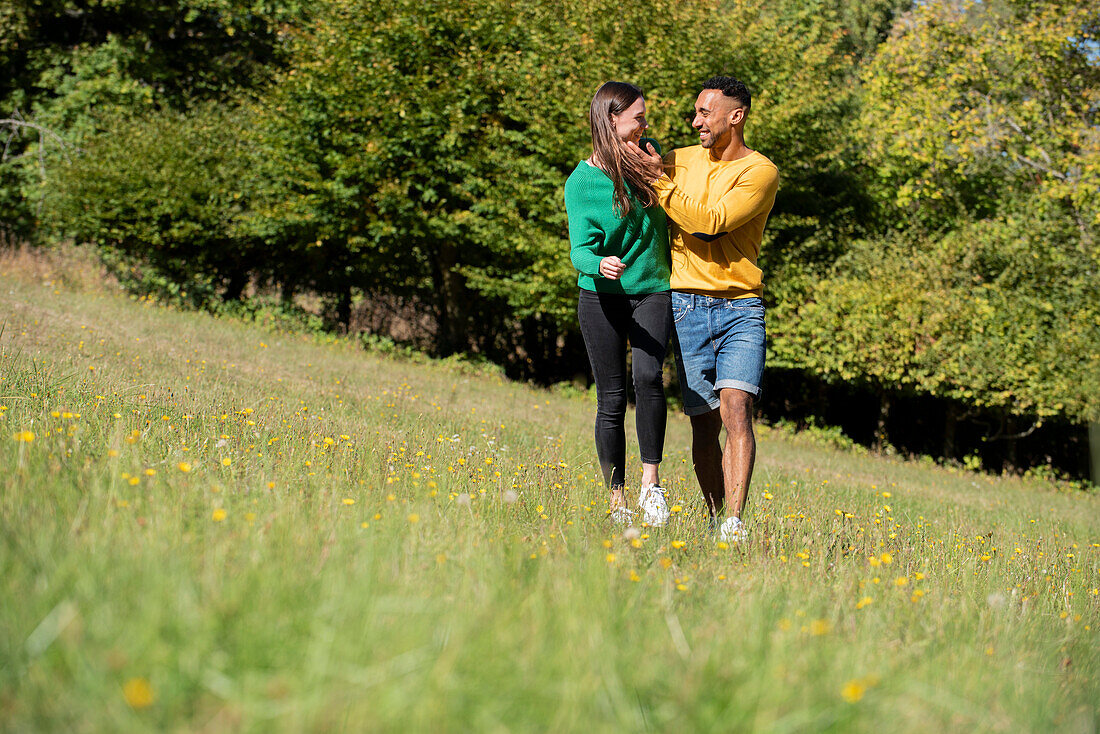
[
  {"x": 611, "y": 267},
  {"x": 650, "y": 159}
]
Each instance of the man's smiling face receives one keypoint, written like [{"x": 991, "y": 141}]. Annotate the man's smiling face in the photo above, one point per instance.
[{"x": 714, "y": 117}]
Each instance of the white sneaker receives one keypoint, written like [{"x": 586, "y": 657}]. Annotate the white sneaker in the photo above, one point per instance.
[
  {"x": 651, "y": 501},
  {"x": 621, "y": 515},
  {"x": 733, "y": 531}
]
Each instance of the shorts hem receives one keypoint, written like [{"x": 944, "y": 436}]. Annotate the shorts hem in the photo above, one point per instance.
[
  {"x": 738, "y": 384},
  {"x": 701, "y": 409}
]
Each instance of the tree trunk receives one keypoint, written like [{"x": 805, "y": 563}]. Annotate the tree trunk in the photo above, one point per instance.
[
  {"x": 819, "y": 402},
  {"x": 450, "y": 301},
  {"x": 950, "y": 424},
  {"x": 1094, "y": 451},
  {"x": 238, "y": 279},
  {"x": 287, "y": 290},
  {"x": 883, "y": 416},
  {"x": 1009, "y": 461},
  {"x": 343, "y": 308}
]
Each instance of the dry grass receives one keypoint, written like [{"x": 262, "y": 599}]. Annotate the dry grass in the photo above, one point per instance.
[{"x": 66, "y": 266}]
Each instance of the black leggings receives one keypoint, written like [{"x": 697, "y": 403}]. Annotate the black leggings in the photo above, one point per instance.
[{"x": 607, "y": 321}]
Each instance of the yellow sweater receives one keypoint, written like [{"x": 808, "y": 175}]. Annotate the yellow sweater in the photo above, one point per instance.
[{"x": 716, "y": 211}]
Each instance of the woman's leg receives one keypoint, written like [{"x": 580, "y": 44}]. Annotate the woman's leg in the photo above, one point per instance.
[
  {"x": 603, "y": 320},
  {"x": 650, "y": 327}
]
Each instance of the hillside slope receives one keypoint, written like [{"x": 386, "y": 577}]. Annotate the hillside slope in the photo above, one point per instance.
[{"x": 212, "y": 525}]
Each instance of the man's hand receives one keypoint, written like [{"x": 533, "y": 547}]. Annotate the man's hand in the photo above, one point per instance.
[
  {"x": 611, "y": 267},
  {"x": 651, "y": 160}
]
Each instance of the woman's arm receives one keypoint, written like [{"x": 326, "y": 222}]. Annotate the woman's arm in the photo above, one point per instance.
[{"x": 585, "y": 234}]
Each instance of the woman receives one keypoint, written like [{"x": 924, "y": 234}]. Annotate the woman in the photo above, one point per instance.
[{"x": 619, "y": 246}]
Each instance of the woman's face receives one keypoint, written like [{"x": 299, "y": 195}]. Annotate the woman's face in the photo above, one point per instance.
[{"x": 630, "y": 123}]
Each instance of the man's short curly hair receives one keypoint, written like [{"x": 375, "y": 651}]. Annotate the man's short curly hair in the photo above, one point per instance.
[{"x": 731, "y": 88}]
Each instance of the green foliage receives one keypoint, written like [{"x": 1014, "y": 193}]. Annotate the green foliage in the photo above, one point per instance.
[
  {"x": 430, "y": 146},
  {"x": 934, "y": 231},
  {"x": 831, "y": 436},
  {"x": 956, "y": 316},
  {"x": 969, "y": 104},
  {"x": 162, "y": 195},
  {"x": 66, "y": 65},
  {"x": 802, "y": 60},
  {"x": 979, "y": 122},
  {"x": 272, "y": 313}
]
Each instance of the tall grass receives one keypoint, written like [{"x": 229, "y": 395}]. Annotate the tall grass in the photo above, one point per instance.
[{"x": 211, "y": 526}]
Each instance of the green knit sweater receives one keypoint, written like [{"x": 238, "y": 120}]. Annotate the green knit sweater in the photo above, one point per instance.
[{"x": 596, "y": 231}]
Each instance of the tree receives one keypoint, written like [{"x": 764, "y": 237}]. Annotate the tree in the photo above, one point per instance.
[
  {"x": 432, "y": 145},
  {"x": 970, "y": 105},
  {"x": 162, "y": 195},
  {"x": 980, "y": 123},
  {"x": 66, "y": 65}
]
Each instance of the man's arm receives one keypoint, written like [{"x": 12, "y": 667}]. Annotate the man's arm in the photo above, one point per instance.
[{"x": 753, "y": 194}]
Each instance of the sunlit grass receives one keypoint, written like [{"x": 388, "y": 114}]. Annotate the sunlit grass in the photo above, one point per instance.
[{"x": 208, "y": 525}]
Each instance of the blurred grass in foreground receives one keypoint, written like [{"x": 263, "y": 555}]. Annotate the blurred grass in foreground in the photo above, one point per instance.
[{"x": 211, "y": 526}]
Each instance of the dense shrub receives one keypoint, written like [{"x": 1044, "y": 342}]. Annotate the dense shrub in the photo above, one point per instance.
[{"x": 162, "y": 194}]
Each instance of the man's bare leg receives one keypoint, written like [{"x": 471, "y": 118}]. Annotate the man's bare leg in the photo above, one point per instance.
[
  {"x": 739, "y": 455},
  {"x": 706, "y": 454},
  {"x": 724, "y": 474}
]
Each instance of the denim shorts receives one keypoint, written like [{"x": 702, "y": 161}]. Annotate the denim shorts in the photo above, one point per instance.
[{"x": 720, "y": 343}]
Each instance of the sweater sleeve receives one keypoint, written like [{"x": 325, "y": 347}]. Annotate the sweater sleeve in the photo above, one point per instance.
[
  {"x": 656, "y": 145},
  {"x": 585, "y": 234},
  {"x": 753, "y": 193}
]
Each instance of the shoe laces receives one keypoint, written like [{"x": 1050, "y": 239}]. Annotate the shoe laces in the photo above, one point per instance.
[{"x": 621, "y": 513}]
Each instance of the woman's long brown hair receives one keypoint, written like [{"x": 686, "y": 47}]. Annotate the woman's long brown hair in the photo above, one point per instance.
[{"x": 611, "y": 155}]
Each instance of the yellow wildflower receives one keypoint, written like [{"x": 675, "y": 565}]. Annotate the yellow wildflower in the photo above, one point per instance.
[
  {"x": 853, "y": 691},
  {"x": 138, "y": 693}
]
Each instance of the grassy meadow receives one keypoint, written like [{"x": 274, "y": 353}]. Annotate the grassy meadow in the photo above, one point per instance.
[{"x": 210, "y": 525}]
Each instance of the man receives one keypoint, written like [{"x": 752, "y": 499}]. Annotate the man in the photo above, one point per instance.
[{"x": 718, "y": 196}]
